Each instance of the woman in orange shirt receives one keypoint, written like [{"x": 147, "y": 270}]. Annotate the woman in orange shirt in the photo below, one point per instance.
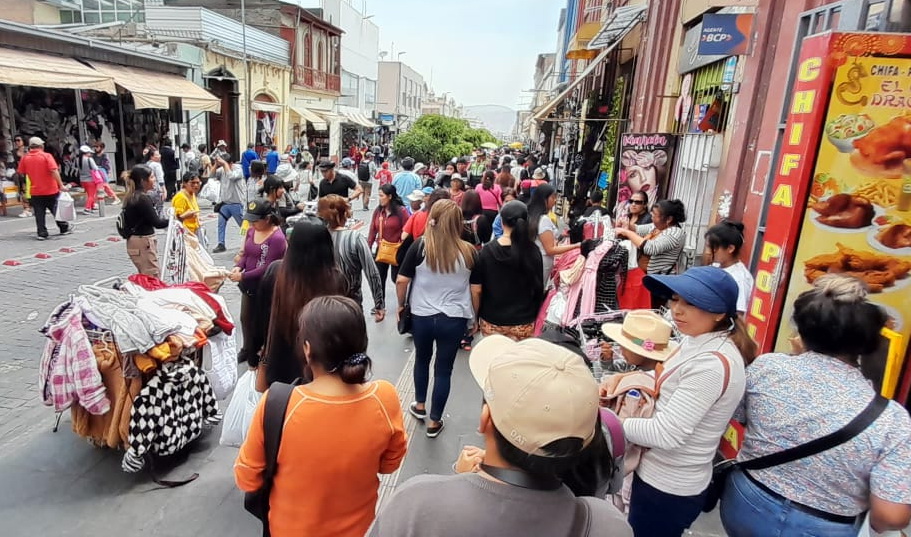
[{"x": 340, "y": 432}]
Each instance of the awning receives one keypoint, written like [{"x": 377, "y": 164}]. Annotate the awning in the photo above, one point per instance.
[
  {"x": 317, "y": 122},
  {"x": 21, "y": 68},
  {"x": 330, "y": 117},
  {"x": 261, "y": 106},
  {"x": 616, "y": 38},
  {"x": 622, "y": 20},
  {"x": 358, "y": 118},
  {"x": 579, "y": 50},
  {"x": 153, "y": 90}
]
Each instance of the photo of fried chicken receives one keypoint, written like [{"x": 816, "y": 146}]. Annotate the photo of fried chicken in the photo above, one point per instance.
[
  {"x": 876, "y": 270},
  {"x": 895, "y": 236},
  {"x": 885, "y": 148},
  {"x": 845, "y": 211}
]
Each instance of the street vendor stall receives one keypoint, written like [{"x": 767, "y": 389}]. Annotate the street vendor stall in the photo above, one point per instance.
[{"x": 841, "y": 198}]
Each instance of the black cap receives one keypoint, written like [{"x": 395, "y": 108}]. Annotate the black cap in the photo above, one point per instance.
[
  {"x": 462, "y": 160},
  {"x": 257, "y": 210},
  {"x": 325, "y": 164}
]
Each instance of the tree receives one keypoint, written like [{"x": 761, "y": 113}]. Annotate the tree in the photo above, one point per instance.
[{"x": 436, "y": 138}]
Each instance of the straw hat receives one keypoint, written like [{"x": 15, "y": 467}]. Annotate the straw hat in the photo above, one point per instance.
[{"x": 643, "y": 332}]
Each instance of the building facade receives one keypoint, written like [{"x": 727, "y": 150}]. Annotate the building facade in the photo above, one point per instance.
[{"x": 401, "y": 94}]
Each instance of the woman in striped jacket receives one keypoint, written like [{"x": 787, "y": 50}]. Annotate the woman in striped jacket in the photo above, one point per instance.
[{"x": 660, "y": 242}]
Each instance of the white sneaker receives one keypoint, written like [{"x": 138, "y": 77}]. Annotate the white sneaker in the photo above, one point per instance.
[
  {"x": 25, "y": 214},
  {"x": 88, "y": 212},
  {"x": 116, "y": 201}
]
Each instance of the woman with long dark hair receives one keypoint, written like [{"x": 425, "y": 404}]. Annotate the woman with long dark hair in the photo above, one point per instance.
[
  {"x": 543, "y": 230},
  {"x": 386, "y": 224},
  {"x": 352, "y": 253},
  {"x": 478, "y": 224},
  {"x": 275, "y": 191},
  {"x": 308, "y": 270},
  {"x": 339, "y": 431},
  {"x": 491, "y": 194},
  {"x": 140, "y": 219},
  {"x": 505, "y": 179},
  {"x": 506, "y": 281}
]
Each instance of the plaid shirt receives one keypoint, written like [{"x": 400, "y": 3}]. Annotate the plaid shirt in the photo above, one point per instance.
[{"x": 69, "y": 372}]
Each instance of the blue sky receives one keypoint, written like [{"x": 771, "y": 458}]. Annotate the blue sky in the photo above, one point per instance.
[{"x": 480, "y": 51}]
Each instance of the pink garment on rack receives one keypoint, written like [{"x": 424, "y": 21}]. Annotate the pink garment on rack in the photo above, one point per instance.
[{"x": 586, "y": 288}]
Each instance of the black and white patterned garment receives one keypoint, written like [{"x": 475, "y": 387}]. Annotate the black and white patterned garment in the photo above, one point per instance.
[{"x": 169, "y": 412}]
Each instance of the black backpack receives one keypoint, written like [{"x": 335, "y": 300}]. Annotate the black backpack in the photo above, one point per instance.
[{"x": 363, "y": 172}]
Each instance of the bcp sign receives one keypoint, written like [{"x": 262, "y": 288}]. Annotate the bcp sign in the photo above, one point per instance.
[{"x": 725, "y": 34}]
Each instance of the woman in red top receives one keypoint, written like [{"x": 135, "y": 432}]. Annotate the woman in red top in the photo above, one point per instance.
[
  {"x": 491, "y": 194},
  {"x": 384, "y": 176},
  {"x": 388, "y": 222}
]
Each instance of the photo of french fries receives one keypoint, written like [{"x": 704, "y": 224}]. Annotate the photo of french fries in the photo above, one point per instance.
[{"x": 880, "y": 192}]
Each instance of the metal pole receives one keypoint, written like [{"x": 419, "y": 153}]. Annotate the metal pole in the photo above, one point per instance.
[{"x": 251, "y": 125}]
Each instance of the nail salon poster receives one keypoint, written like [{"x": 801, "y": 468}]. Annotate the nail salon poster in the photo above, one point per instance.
[{"x": 645, "y": 166}]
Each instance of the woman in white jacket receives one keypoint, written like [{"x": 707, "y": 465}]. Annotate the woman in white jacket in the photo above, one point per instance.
[{"x": 701, "y": 385}]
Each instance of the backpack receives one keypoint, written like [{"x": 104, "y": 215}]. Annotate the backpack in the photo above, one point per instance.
[
  {"x": 120, "y": 223},
  {"x": 363, "y": 172},
  {"x": 194, "y": 166}
]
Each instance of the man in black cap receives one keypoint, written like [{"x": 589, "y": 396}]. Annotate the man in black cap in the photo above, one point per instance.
[
  {"x": 462, "y": 167},
  {"x": 334, "y": 183}
]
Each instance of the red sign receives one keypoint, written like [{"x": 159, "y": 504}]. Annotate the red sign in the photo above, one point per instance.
[{"x": 791, "y": 187}]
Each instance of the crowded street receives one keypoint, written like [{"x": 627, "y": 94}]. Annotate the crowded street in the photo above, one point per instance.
[{"x": 349, "y": 268}]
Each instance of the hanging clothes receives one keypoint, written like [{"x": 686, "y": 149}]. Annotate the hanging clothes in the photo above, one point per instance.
[
  {"x": 582, "y": 296},
  {"x": 68, "y": 372},
  {"x": 169, "y": 412}
]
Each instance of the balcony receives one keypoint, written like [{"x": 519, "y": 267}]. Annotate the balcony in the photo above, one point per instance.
[{"x": 314, "y": 79}]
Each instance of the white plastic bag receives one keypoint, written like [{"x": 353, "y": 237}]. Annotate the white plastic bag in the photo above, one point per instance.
[
  {"x": 220, "y": 364},
  {"x": 240, "y": 411},
  {"x": 66, "y": 208},
  {"x": 211, "y": 191}
]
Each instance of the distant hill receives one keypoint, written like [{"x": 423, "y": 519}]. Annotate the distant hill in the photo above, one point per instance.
[{"x": 497, "y": 119}]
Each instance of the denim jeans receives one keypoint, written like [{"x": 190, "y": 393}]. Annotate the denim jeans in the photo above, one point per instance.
[
  {"x": 446, "y": 332},
  {"x": 229, "y": 210},
  {"x": 747, "y": 511},
  {"x": 655, "y": 513}
]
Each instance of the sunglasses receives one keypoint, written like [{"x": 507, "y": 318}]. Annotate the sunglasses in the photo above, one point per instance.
[{"x": 637, "y": 202}]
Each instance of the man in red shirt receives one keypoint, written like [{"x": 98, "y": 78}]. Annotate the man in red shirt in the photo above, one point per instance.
[{"x": 44, "y": 175}]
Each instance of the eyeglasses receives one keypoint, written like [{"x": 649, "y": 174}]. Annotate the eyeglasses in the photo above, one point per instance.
[{"x": 637, "y": 202}]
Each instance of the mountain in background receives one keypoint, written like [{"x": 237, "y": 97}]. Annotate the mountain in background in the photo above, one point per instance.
[{"x": 499, "y": 120}]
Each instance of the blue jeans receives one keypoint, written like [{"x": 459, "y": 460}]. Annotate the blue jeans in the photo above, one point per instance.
[
  {"x": 749, "y": 511},
  {"x": 229, "y": 210},
  {"x": 446, "y": 332},
  {"x": 654, "y": 513}
]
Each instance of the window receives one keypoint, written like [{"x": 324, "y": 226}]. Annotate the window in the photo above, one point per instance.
[
  {"x": 308, "y": 49},
  {"x": 592, "y": 11},
  {"x": 320, "y": 57},
  {"x": 350, "y": 89},
  {"x": 95, "y": 11},
  {"x": 369, "y": 92},
  {"x": 711, "y": 98}
]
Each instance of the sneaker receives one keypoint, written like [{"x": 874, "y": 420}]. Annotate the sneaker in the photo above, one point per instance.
[
  {"x": 418, "y": 414},
  {"x": 116, "y": 201},
  {"x": 89, "y": 212},
  {"x": 219, "y": 249},
  {"x": 68, "y": 230},
  {"x": 42, "y": 237},
  {"x": 434, "y": 430},
  {"x": 26, "y": 214}
]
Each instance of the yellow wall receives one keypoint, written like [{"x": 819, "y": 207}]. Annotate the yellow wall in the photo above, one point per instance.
[{"x": 265, "y": 78}]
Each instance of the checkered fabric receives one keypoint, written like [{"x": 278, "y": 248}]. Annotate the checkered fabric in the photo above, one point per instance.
[{"x": 169, "y": 412}]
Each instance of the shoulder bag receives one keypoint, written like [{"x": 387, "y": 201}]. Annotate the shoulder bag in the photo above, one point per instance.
[
  {"x": 257, "y": 503},
  {"x": 388, "y": 251},
  {"x": 802, "y": 451},
  {"x": 405, "y": 318}
]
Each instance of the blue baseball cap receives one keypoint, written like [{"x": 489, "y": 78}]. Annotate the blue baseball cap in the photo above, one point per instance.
[
  {"x": 708, "y": 288},
  {"x": 428, "y": 190}
]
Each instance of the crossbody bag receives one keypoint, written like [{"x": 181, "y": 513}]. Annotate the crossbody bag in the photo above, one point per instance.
[
  {"x": 814, "y": 447},
  {"x": 387, "y": 252}
]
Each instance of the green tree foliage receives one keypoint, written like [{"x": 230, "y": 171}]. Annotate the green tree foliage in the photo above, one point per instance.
[{"x": 435, "y": 138}]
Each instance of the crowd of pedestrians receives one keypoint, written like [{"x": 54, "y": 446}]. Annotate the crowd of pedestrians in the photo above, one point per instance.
[{"x": 476, "y": 253}]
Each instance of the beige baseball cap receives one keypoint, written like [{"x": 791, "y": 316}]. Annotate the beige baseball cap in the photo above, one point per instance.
[{"x": 537, "y": 392}]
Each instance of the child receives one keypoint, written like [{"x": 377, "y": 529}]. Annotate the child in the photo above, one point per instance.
[
  {"x": 722, "y": 249},
  {"x": 645, "y": 342}
]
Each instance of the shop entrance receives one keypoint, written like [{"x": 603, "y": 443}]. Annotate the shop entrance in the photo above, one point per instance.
[
  {"x": 698, "y": 160},
  {"x": 224, "y": 125}
]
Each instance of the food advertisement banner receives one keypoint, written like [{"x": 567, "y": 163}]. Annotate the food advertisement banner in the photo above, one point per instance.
[
  {"x": 646, "y": 161},
  {"x": 858, "y": 213}
]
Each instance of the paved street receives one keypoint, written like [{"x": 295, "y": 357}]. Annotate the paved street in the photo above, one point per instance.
[{"x": 55, "y": 484}]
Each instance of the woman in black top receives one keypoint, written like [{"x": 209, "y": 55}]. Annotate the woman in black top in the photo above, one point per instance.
[
  {"x": 275, "y": 191},
  {"x": 478, "y": 226},
  {"x": 140, "y": 219},
  {"x": 506, "y": 280},
  {"x": 307, "y": 271}
]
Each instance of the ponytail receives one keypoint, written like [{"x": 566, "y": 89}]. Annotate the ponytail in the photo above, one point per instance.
[{"x": 742, "y": 340}]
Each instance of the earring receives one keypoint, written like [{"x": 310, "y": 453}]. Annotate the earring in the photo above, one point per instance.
[{"x": 733, "y": 325}]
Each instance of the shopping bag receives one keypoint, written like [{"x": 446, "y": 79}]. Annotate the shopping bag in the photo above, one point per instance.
[
  {"x": 99, "y": 177},
  {"x": 220, "y": 364},
  {"x": 240, "y": 411},
  {"x": 211, "y": 191},
  {"x": 66, "y": 208}
]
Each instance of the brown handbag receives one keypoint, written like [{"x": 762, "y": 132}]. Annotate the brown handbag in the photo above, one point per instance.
[{"x": 387, "y": 252}]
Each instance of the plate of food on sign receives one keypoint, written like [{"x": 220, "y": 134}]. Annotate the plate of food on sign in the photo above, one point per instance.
[
  {"x": 845, "y": 129},
  {"x": 881, "y": 273},
  {"x": 893, "y": 236},
  {"x": 839, "y": 211},
  {"x": 881, "y": 151}
]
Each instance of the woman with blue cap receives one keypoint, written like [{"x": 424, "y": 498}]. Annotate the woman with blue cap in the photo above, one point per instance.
[{"x": 701, "y": 385}]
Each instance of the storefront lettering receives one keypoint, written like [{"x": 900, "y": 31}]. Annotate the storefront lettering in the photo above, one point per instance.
[
  {"x": 764, "y": 281},
  {"x": 783, "y": 196},
  {"x": 770, "y": 251},
  {"x": 789, "y": 163},
  {"x": 796, "y": 134},
  {"x": 803, "y": 102},
  {"x": 809, "y": 70},
  {"x": 890, "y": 101},
  {"x": 657, "y": 140},
  {"x": 756, "y": 310}
]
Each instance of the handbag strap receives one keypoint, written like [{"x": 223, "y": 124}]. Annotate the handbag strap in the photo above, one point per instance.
[
  {"x": 813, "y": 447},
  {"x": 273, "y": 425}
]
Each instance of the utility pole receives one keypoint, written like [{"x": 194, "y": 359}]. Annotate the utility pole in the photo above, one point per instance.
[{"x": 251, "y": 125}]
